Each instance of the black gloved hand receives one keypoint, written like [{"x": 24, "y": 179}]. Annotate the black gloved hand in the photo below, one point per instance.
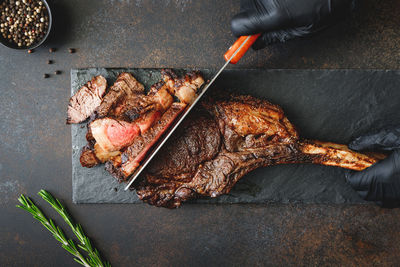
[
  {"x": 380, "y": 182},
  {"x": 280, "y": 20}
]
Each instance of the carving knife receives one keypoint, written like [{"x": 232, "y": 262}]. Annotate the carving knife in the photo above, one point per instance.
[{"x": 233, "y": 55}]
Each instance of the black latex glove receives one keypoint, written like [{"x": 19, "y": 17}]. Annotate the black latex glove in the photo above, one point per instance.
[
  {"x": 380, "y": 182},
  {"x": 280, "y": 20}
]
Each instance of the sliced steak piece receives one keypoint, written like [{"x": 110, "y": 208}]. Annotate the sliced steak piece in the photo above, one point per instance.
[
  {"x": 132, "y": 107},
  {"x": 126, "y": 86},
  {"x": 126, "y": 117},
  {"x": 82, "y": 104},
  {"x": 185, "y": 88},
  {"x": 135, "y": 153},
  {"x": 162, "y": 96},
  {"x": 113, "y": 135},
  {"x": 88, "y": 157},
  {"x": 147, "y": 120},
  {"x": 92, "y": 156}
]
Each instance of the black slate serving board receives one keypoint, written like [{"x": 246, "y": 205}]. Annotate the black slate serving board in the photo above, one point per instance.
[{"x": 328, "y": 105}]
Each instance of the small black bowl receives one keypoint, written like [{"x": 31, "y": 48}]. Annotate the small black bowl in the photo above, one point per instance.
[{"x": 35, "y": 45}]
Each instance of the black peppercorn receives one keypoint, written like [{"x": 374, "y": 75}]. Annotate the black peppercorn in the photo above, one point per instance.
[
  {"x": 46, "y": 75},
  {"x": 57, "y": 72},
  {"x": 23, "y": 23},
  {"x": 71, "y": 50},
  {"x": 49, "y": 61}
]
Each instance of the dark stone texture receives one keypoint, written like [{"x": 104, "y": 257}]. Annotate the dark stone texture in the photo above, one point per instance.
[{"x": 35, "y": 143}]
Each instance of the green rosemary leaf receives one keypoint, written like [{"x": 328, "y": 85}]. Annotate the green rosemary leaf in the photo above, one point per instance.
[
  {"x": 85, "y": 244},
  {"x": 79, "y": 261},
  {"x": 24, "y": 208},
  {"x": 58, "y": 234}
]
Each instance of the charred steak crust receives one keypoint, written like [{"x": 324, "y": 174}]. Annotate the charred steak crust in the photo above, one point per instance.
[
  {"x": 260, "y": 117},
  {"x": 185, "y": 88},
  {"x": 125, "y": 85},
  {"x": 217, "y": 145},
  {"x": 197, "y": 141},
  {"x": 133, "y": 154},
  {"x": 88, "y": 157},
  {"x": 252, "y": 133},
  {"x": 126, "y": 113}
]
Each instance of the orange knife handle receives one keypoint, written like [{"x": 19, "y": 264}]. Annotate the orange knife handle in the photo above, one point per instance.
[{"x": 243, "y": 50}]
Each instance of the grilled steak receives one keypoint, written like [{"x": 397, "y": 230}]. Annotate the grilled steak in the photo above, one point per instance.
[
  {"x": 82, "y": 104},
  {"x": 134, "y": 154},
  {"x": 213, "y": 151},
  {"x": 221, "y": 142},
  {"x": 113, "y": 135},
  {"x": 125, "y": 86},
  {"x": 127, "y": 113},
  {"x": 197, "y": 141}
]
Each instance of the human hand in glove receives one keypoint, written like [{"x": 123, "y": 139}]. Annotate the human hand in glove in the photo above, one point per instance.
[
  {"x": 281, "y": 20},
  {"x": 381, "y": 181}
]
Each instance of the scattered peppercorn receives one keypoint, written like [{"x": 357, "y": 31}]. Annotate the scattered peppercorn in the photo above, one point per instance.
[
  {"x": 57, "y": 72},
  {"x": 71, "y": 50},
  {"x": 46, "y": 75},
  {"x": 115, "y": 189},
  {"x": 52, "y": 50},
  {"x": 23, "y": 23},
  {"x": 49, "y": 61}
]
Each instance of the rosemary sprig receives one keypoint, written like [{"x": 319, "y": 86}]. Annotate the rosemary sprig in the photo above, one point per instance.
[
  {"x": 58, "y": 234},
  {"x": 85, "y": 244},
  {"x": 94, "y": 258}
]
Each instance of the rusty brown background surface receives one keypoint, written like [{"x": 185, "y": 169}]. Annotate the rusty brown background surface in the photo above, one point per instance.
[{"x": 35, "y": 144}]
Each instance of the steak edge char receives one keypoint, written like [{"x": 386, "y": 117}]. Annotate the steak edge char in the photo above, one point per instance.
[{"x": 253, "y": 133}]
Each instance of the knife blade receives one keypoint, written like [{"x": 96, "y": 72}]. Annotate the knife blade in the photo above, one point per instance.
[{"x": 233, "y": 55}]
